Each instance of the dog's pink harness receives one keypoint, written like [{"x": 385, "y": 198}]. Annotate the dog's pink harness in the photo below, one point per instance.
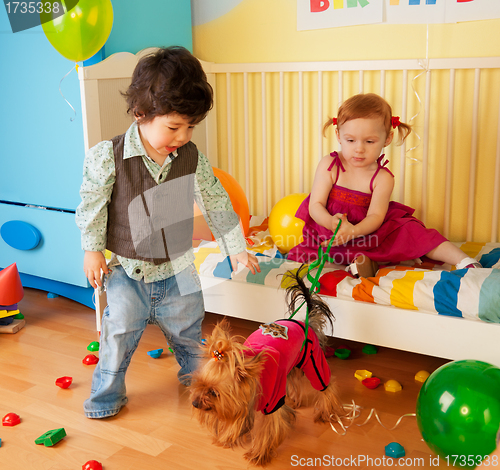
[{"x": 282, "y": 341}]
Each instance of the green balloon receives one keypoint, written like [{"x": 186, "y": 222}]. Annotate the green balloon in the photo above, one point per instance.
[
  {"x": 80, "y": 32},
  {"x": 458, "y": 411}
]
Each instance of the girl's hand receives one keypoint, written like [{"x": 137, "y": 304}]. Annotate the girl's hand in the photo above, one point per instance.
[
  {"x": 249, "y": 260},
  {"x": 93, "y": 263},
  {"x": 345, "y": 232}
]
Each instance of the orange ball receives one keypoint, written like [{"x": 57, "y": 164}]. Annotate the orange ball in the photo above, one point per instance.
[{"x": 238, "y": 199}]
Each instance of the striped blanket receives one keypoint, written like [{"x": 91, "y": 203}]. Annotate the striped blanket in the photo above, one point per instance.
[{"x": 468, "y": 293}]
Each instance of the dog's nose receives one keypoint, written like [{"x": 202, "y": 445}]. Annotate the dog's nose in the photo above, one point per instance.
[{"x": 196, "y": 403}]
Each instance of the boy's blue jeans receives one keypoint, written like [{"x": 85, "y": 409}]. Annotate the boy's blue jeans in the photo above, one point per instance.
[{"x": 131, "y": 306}]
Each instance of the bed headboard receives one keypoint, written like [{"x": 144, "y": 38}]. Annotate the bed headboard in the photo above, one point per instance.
[{"x": 266, "y": 129}]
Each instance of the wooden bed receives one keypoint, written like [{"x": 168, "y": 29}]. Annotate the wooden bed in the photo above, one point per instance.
[{"x": 265, "y": 129}]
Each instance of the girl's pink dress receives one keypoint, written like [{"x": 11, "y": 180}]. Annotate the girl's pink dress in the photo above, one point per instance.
[{"x": 401, "y": 236}]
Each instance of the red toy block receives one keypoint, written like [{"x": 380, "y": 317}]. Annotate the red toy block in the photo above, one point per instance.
[
  {"x": 11, "y": 289},
  {"x": 11, "y": 419},
  {"x": 371, "y": 382},
  {"x": 64, "y": 382},
  {"x": 90, "y": 359},
  {"x": 92, "y": 465}
]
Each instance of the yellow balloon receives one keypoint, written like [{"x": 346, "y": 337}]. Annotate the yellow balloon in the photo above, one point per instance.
[
  {"x": 285, "y": 229},
  {"x": 80, "y": 32}
]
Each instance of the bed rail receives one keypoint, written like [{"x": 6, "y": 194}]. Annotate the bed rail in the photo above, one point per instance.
[{"x": 449, "y": 169}]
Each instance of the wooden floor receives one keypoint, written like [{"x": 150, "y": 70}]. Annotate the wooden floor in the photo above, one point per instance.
[{"x": 156, "y": 429}]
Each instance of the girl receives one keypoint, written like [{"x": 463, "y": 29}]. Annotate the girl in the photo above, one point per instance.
[{"x": 354, "y": 186}]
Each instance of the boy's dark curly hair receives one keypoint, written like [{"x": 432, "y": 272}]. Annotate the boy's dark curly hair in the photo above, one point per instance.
[{"x": 167, "y": 81}]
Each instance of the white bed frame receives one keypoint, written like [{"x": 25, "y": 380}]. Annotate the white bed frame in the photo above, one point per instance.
[{"x": 104, "y": 116}]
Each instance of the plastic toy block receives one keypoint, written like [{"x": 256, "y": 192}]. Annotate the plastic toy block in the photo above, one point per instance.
[
  {"x": 393, "y": 386},
  {"x": 204, "y": 342},
  {"x": 51, "y": 295},
  {"x": 11, "y": 419},
  {"x": 362, "y": 374},
  {"x": 8, "y": 313},
  {"x": 0, "y": 442},
  {"x": 11, "y": 290},
  {"x": 92, "y": 465},
  {"x": 155, "y": 353},
  {"x": 342, "y": 353},
  {"x": 329, "y": 351},
  {"x": 64, "y": 382},
  {"x": 394, "y": 450},
  {"x": 6, "y": 320},
  {"x": 370, "y": 349},
  {"x": 19, "y": 316},
  {"x": 421, "y": 376},
  {"x": 371, "y": 382},
  {"x": 51, "y": 438},
  {"x": 93, "y": 346},
  {"x": 90, "y": 359}
]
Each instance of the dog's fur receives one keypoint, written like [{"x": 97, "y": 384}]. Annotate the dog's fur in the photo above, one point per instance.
[{"x": 226, "y": 390}]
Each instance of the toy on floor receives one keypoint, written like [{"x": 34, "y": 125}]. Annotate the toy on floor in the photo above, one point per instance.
[
  {"x": 393, "y": 386},
  {"x": 458, "y": 410},
  {"x": 93, "y": 346},
  {"x": 370, "y": 349},
  {"x": 155, "y": 353},
  {"x": 362, "y": 374},
  {"x": 239, "y": 380},
  {"x": 421, "y": 376},
  {"x": 92, "y": 465},
  {"x": 90, "y": 359},
  {"x": 51, "y": 438},
  {"x": 11, "y": 292},
  {"x": 342, "y": 353},
  {"x": 371, "y": 382},
  {"x": 394, "y": 450},
  {"x": 64, "y": 382},
  {"x": 11, "y": 419}
]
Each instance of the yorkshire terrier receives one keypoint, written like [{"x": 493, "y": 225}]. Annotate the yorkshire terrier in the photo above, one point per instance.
[{"x": 239, "y": 379}]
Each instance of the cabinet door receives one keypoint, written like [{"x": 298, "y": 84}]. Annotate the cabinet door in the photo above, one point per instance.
[
  {"x": 57, "y": 256},
  {"x": 42, "y": 150}
]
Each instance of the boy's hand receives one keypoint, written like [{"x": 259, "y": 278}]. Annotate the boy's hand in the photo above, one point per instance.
[
  {"x": 249, "y": 260},
  {"x": 93, "y": 263}
]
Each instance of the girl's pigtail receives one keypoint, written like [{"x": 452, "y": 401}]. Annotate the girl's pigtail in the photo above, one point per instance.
[
  {"x": 404, "y": 129},
  {"x": 330, "y": 122}
]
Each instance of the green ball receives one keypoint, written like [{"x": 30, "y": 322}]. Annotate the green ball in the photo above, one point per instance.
[{"x": 458, "y": 410}]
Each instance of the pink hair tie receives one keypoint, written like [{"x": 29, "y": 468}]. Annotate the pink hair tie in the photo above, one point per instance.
[{"x": 395, "y": 122}]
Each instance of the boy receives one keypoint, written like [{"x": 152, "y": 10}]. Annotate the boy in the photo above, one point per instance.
[{"x": 137, "y": 195}]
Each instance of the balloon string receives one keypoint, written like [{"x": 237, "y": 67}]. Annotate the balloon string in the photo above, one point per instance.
[
  {"x": 425, "y": 67},
  {"x": 355, "y": 412},
  {"x": 60, "y": 91}
]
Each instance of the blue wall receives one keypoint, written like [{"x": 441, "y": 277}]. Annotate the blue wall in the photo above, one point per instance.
[
  {"x": 41, "y": 150},
  {"x": 138, "y": 25}
]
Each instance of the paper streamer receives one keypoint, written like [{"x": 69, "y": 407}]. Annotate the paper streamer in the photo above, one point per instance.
[{"x": 355, "y": 412}]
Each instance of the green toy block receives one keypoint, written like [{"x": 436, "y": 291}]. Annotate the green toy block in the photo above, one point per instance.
[
  {"x": 93, "y": 346},
  {"x": 51, "y": 437},
  {"x": 370, "y": 349}
]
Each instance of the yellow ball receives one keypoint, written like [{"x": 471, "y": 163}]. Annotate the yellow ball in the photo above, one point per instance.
[{"x": 285, "y": 229}]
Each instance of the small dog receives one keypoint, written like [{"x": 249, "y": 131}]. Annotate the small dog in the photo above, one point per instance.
[{"x": 240, "y": 379}]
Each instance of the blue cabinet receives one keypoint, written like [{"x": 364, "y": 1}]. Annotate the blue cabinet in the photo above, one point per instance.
[{"x": 42, "y": 146}]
